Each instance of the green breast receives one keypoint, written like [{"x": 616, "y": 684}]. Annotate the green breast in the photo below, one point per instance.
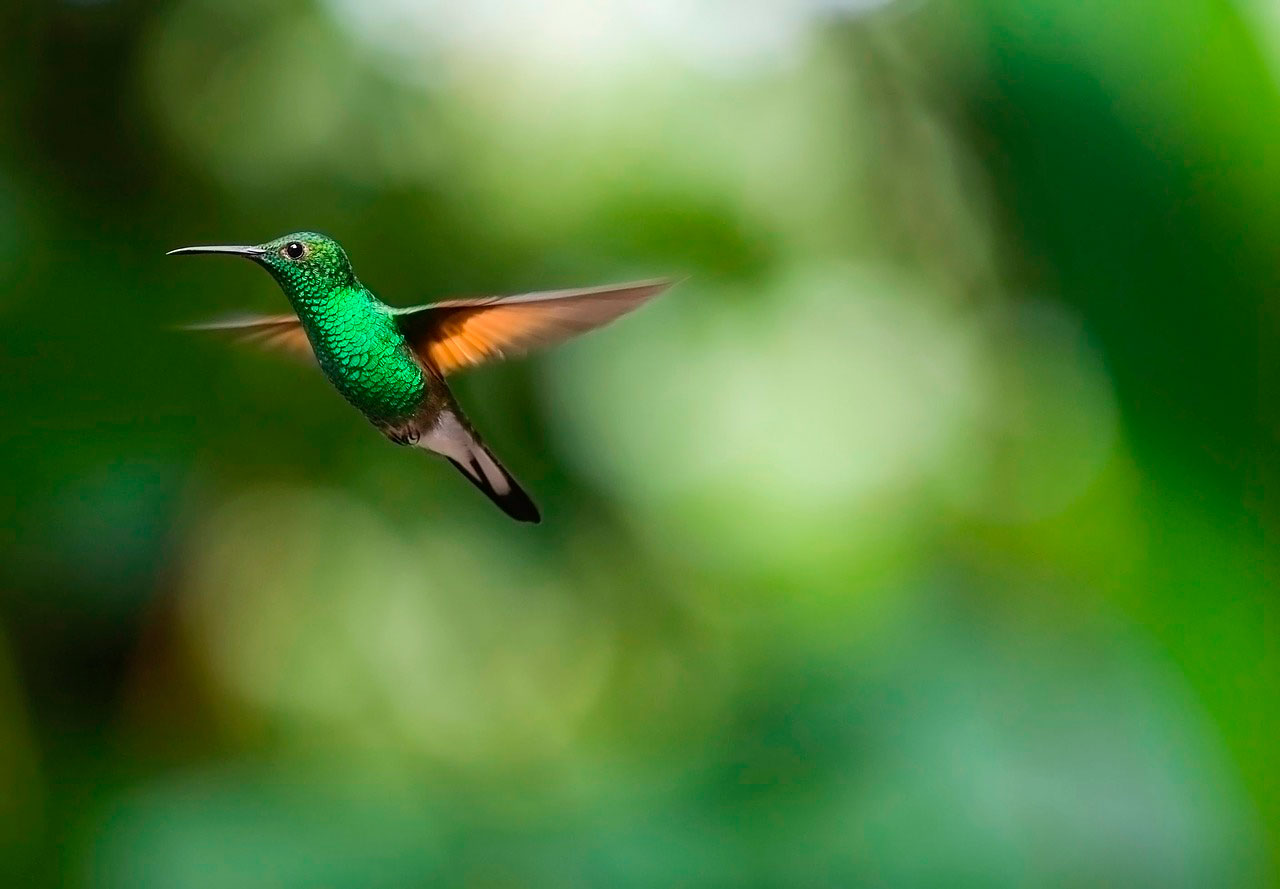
[{"x": 362, "y": 352}]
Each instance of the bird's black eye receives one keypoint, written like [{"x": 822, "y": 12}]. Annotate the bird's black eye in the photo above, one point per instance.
[{"x": 294, "y": 250}]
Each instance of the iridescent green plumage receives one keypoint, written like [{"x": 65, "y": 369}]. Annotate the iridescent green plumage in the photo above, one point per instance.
[
  {"x": 391, "y": 363},
  {"x": 354, "y": 335}
]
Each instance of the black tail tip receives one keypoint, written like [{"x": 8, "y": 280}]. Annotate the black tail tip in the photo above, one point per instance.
[
  {"x": 524, "y": 511},
  {"x": 515, "y": 502}
]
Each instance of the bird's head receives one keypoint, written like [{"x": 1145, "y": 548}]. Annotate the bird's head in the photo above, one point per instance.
[{"x": 301, "y": 262}]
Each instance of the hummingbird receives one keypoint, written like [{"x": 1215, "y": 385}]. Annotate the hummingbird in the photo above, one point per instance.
[{"x": 391, "y": 363}]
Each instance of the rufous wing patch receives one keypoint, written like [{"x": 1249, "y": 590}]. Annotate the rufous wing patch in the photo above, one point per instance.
[{"x": 453, "y": 335}]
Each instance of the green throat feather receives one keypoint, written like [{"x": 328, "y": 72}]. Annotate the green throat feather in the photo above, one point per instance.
[{"x": 354, "y": 335}]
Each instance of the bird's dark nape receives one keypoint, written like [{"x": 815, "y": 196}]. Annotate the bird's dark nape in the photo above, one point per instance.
[{"x": 515, "y": 502}]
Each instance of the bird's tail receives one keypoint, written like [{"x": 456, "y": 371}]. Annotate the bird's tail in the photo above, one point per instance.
[{"x": 453, "y": 438}]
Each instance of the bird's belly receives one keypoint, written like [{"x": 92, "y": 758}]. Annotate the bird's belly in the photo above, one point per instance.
[{"x": 381, "y": 380}]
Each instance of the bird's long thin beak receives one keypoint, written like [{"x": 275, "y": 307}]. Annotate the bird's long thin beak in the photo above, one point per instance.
[{"x": 248, "y": 252}]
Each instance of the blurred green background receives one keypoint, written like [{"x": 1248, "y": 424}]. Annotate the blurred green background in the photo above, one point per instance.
[{"x": 921, "y": 538}]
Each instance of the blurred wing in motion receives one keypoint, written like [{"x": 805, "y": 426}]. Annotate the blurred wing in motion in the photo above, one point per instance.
[
  {"x": 279, "y": 332},
  {"x": 462, "y": 333}
]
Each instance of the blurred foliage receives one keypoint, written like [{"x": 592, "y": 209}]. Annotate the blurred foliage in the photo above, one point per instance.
[{"x": 920, "y": 538}]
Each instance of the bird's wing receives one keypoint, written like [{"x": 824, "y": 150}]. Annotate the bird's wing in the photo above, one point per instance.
[
  {"x": 461, "y": 333},
  {"x": 281, "y": 332}
]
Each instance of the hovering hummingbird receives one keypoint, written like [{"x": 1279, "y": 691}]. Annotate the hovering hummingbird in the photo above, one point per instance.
[{"x": 391, "y": 364}]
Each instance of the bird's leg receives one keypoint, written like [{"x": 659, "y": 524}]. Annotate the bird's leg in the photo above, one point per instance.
[{"x": 406, "y": 434}]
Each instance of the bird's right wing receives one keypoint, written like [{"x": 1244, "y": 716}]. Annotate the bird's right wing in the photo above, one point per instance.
[
  {"x": 452, "y": 335},
  {"x": 279, "y": 332}
]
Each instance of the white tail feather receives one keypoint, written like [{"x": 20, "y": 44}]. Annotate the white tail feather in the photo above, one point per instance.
[{"x": 451, "y": 438}]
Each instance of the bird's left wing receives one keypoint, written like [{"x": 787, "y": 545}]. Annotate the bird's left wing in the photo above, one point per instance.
[
  {"x": 449, "y": 336},
  {"x": 280, "y": 332}
]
